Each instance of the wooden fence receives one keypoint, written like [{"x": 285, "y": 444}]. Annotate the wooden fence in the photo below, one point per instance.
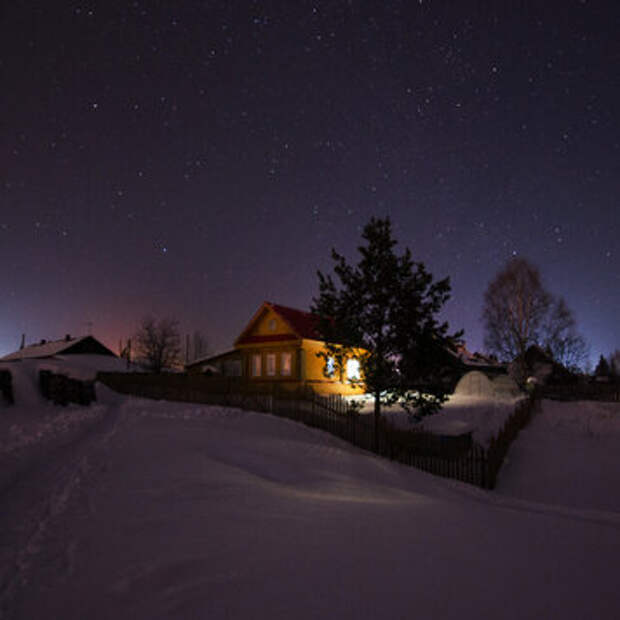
[
  {"x": 455, "y": 457},
  {"x": 63, "y": 390},
  {"x": 498, "y": 447},
  {"x": 6, "y": 386},
  {"x": 581, "y": 391}
]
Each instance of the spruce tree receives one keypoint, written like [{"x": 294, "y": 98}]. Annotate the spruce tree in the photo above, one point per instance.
[
  {"x": 602, "y": 368},
  {"x": 383, "y": 312}
]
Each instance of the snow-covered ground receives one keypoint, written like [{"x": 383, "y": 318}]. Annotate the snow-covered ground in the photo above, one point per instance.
[
  {"x": 34, "y": 426},
  {"x": 171, "y": 510},
  {"x": 569, "y": 455},
  {"x": 483, "y": 417}
]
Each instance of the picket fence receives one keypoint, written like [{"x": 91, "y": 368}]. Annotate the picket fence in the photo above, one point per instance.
[
  {"x": 609, "y": 392},
  {"x": 449, "y": 456}
]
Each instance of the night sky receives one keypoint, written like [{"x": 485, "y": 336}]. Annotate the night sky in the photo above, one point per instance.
[{"x": 193, "y": 159}]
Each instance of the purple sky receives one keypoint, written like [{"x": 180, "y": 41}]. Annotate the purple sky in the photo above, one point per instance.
[{"x": 195, "y": 160}]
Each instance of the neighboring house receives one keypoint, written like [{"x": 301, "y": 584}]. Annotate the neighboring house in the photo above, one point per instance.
[
  {"x": 485, "y": 364},
  {"x": 540, "y": 366},
  {"x": 79, "y": 358},
  {"x": 280, "y": 344},
  {"x": 85, "y": 345},
  {"x": 459, "y": 362},
  {"x": 225, "y": 364}
]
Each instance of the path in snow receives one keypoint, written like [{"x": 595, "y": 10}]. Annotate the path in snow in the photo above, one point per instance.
[
  {"x": 36, "y": 496},
  {"x": 203, "y": 512}
]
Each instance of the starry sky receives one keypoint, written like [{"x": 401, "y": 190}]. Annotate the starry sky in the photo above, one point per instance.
[{"x": 192, "y": 159}]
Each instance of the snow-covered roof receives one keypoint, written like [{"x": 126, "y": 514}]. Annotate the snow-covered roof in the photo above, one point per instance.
[
  {"x": 213, "y": 358},
  {"x": 56, "y": 347},
  {"x": 473, "y": 359}
]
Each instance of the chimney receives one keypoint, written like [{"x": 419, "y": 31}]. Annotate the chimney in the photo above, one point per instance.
[
  {"x": 23, "y": 342},
  {"x": 67, "y": 337}
]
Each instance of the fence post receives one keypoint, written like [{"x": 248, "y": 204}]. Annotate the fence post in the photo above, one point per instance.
[{"x": 273, "y": 397}]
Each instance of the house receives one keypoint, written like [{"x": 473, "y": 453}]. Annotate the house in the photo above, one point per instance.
[
  {"x": 226, "y": 364},
  {"x": 541, "y": 367},
  {"x": 84, "y": 345},
  {"x": 480, "y": 362},
  {"x": 280, "y": 344}
]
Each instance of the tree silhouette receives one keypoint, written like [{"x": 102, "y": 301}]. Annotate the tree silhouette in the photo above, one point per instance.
[{"x": 382, "y": 312}]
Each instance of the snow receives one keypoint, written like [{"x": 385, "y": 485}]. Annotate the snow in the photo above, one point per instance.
[
  {"x": 34, "y": 426},
  {"x": 84, "y": 367},
  {"x": 475, "y": 383},
  {"x": 81, "y": 367},
  {"x": 483, "y": 417},
  {"x": 568, "y": 455},
  {"x": 172, "y": 510},
  {"x": 44, "y": 349}
]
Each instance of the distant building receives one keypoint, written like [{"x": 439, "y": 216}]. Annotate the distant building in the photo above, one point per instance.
[
  {"x": 541, "y": 367},
  {"x": 481, "y": 362},
  {"x": 85, "y": 345}
]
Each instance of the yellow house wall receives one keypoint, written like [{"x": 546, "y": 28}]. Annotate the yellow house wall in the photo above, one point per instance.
[
  {"x": 264, "y": 349},
  {"x": 313, "y": 372},
  {"x": 263, "y": 327}
]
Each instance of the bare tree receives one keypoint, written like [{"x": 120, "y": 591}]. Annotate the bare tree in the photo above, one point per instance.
[
  {"x": 561, "y": 339},
  {"x": 515, "y": 307},
  {"x": 158, "y": 343},
  {"x": 519, "y": 312}
]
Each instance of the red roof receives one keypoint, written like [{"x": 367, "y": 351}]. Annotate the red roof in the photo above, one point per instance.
[
  {"x": 302, "y": 324},
  {"x": 268, "y": 338},
  {"x": 305, "y": 324}
]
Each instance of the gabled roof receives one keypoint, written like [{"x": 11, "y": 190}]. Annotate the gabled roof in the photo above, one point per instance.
[
  {"x": 301, "y": 324},
  {"x": 67, "y": 346},
  {"x": 305, "y": 324},
  {"x": 473, "y": 359},
  {"x": 209, "y": 359}
]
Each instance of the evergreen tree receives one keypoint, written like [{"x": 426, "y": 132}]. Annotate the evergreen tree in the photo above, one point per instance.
[
  {"x": 614, "y": 365},
  {"x": 383, "y": 313},
  {"x": 602, "y": 368}
]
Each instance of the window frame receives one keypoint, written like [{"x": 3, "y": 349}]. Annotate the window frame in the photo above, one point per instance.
[
  {"x": 283, "y": 367},
  {"x": 350, "y": 362},
  {"x": 330, "y": 366},
  {"x": 256, "y": 369}
]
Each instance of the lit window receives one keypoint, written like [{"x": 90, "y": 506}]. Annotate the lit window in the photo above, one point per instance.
[
  {"x": 330, "y": 366},
  {"x": 285, "y": 364},
  {"x": 353, "y": 370},
  {"x": 272, "y": 325},
  {"x": 256, "y": 365},
  {"x": 271, "y": 364}
]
